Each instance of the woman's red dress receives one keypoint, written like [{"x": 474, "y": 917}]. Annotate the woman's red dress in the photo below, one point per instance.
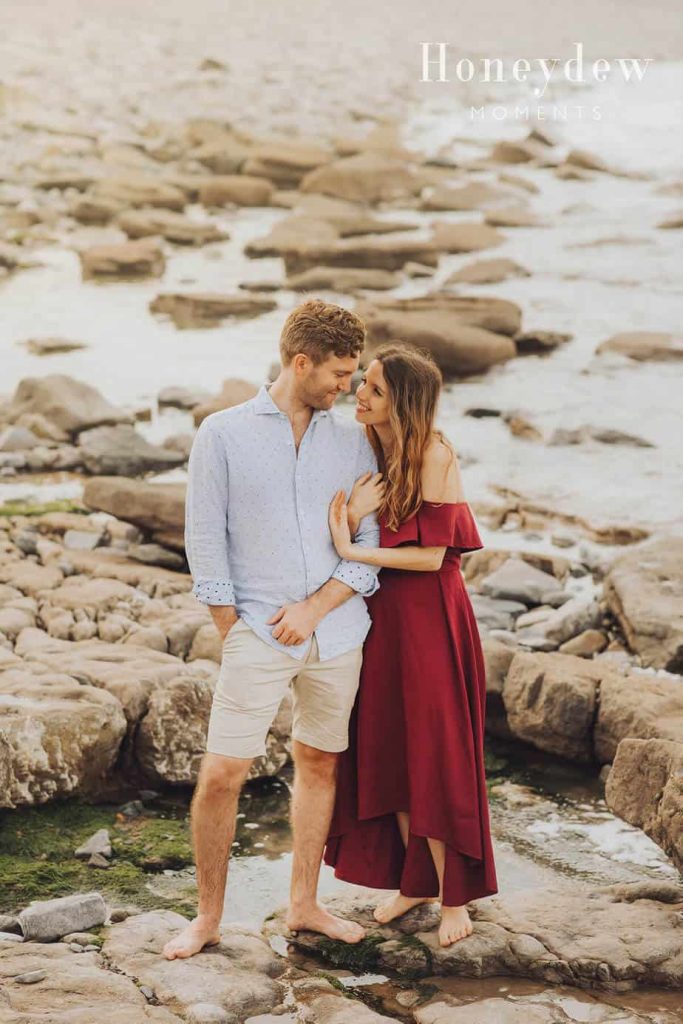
[{"x": 416, "y": 739}]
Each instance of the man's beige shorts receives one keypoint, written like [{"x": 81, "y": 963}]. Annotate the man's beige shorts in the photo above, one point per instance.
[{"x": 253, "y": 679}]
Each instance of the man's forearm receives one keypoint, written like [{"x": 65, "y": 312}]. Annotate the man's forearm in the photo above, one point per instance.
[{"x": 330, "y": 596}]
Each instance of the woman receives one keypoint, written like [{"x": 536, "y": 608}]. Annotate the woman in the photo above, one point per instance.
[{"x": 411, "y": 809}]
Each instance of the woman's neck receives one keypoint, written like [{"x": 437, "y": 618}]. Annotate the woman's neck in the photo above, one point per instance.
[{"x": 386, "y": 437}]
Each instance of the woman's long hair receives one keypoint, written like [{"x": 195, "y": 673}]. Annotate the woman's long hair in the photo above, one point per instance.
[{"x": 414, "y": 383}]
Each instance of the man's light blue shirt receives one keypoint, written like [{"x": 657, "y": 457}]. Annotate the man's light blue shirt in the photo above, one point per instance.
[{"x": 256, "y": 518}]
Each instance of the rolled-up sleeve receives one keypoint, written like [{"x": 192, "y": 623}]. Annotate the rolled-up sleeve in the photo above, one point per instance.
[
  {"x": 357, "y": 575},
  {"x": 206, "y": 517}
]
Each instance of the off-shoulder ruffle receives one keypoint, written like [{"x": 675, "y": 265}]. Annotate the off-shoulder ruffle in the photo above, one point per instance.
[{"x": 450, "y": 524}]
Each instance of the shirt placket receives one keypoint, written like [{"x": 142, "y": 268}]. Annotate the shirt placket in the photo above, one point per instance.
[{"x": 300, "y": 480}]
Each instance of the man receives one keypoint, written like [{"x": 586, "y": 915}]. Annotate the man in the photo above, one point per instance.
[{"x": 260, "y": 480}]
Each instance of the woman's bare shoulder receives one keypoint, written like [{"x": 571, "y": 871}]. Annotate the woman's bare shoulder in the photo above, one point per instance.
[{"x": 441, "y": 479}]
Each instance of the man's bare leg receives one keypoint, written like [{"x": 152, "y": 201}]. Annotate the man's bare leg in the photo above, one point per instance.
[
  {"x": 312, "y": 805},
  {"x": 213, "y": 813},
  {"x": 399, "y": 904}
]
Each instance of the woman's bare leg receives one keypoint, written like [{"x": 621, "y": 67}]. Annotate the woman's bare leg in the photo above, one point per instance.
[
  {"x": 399, "y": 904},
  {"x": 455, "y": 921}
]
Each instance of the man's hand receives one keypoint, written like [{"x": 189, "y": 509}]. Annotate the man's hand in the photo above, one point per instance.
[
  {"x": 294, "y": 623},
  {"x": 224, "y": 616}
]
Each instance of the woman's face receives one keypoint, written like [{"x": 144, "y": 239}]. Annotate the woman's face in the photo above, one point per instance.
[{"x": 372, "y": 397}]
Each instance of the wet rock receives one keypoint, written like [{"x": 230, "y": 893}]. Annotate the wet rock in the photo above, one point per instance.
[
  {"x": 367, "y": 177},
  {"x": 181, "y": 398},
  {"x": 539, "y": 342},
  {"x": 573, "y": 617},
  {"x": 238, "y": 975},
  {"x": 174, "y": 227},
  {"x": 473, "y": 196},
  {"x": 376, "y": 253},
  {"x": 285, "y": 163},
  {"x": 551, "y": 701},
  {"x": 621, "y": 936},
  {"x": 47, "y": 920},
  {"x": 637, "y": 705},
  {"x": 139, "y": 190},
  {"x": 513, "y": 217},
  {"x": 157, "y": 509},
  {"x": 60, "y": 737},
  {"x": 517, "y": 580},
  {"x": 207, "y": 309},
  {"x": 455, "y": 238},
  {"x": 121, "y": 451},
  {"x": 517, "y": 152},
  {"x": 68, "y": 404},
  {"x": 348, "y": 219},
  {"x": 299, "y": 232},
  {"x": 235, "y": 189},
  {"x": 90, "y": 209},
  {"x": 342, "y": 279},
  {"x": 52, "y": 346},
  {"x": 99, "y": 842},
  {"x": 586, "y": 644},
  {"x": 464, "y": 335},
  {"x": 233, "y": 392},
  {"x": 143, "y": 258},
  {"x": 644, "y": 591},
  {"x": 487, "y": 272},
  {"x": 645, "y": 346},
  {"x": 644, "y": 787}
]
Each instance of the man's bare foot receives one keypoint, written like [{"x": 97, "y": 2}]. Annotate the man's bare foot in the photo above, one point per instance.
[
  {"x": 398, "y": 905},
  {"x": 316, "y": 919},
  {"x": 455, "y": 924},
  {"x": 198, "y": 934}
]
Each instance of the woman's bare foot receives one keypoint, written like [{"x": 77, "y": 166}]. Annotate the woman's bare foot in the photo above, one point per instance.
[
  {"x": 397, "y": 906},
  {"x": 316, "y": 919},
  {"x": 455, "y": 924},
  {"x": 198, "y": 934}
]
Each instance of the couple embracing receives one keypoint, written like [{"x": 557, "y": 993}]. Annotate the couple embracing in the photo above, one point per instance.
[{"x": 360, "y": 606}]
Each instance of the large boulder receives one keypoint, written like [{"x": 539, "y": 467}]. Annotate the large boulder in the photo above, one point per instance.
[
  {"x": 121, "y": 451},
  {"x": 645, "y": 346},
  {"x": 157, "y": 509},
  {"x": 68, "y": 404},
  {"x": 645, "y": 788},
  {"x": 59, "y": 737},
  {"x": 637, "y": 705},
  {"x": 367, "y": 177},
  {"x": 644, "y": 589},
  {"x": 551, "y": 701}
]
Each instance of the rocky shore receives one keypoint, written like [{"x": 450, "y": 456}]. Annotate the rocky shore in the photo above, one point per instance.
[{"x": 107, "y": 662}]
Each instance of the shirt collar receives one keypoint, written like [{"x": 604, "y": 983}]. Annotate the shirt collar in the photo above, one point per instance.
[{"x": 265, "y": 405}]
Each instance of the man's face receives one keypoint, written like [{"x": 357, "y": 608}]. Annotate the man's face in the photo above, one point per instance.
[{"x": 321, "y": 385}]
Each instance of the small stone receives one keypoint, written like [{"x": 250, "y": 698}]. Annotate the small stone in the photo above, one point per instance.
[
  {"x": 75, "y": 947},
  {"x": 133, "y": 809},
  {"x": 10, "y": 937},
  {"x": 98, "y": 861},
  {"x": 98, "y": 843},
  {"x": 31, "y": 977},
  {"x": 147, "y": 992}
]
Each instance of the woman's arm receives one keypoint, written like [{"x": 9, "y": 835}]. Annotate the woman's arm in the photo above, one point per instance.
[{"x": 411, "y": 556}]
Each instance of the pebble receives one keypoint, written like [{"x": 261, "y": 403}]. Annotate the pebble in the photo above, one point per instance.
[{"x": 31, "y": 977}]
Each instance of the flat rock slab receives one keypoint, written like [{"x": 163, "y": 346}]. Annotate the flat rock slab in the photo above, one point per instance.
[
  {"x": 617, "y": 937},
  {"x": 78, "y": 989},
  {"x": 238, "y": 975}
]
